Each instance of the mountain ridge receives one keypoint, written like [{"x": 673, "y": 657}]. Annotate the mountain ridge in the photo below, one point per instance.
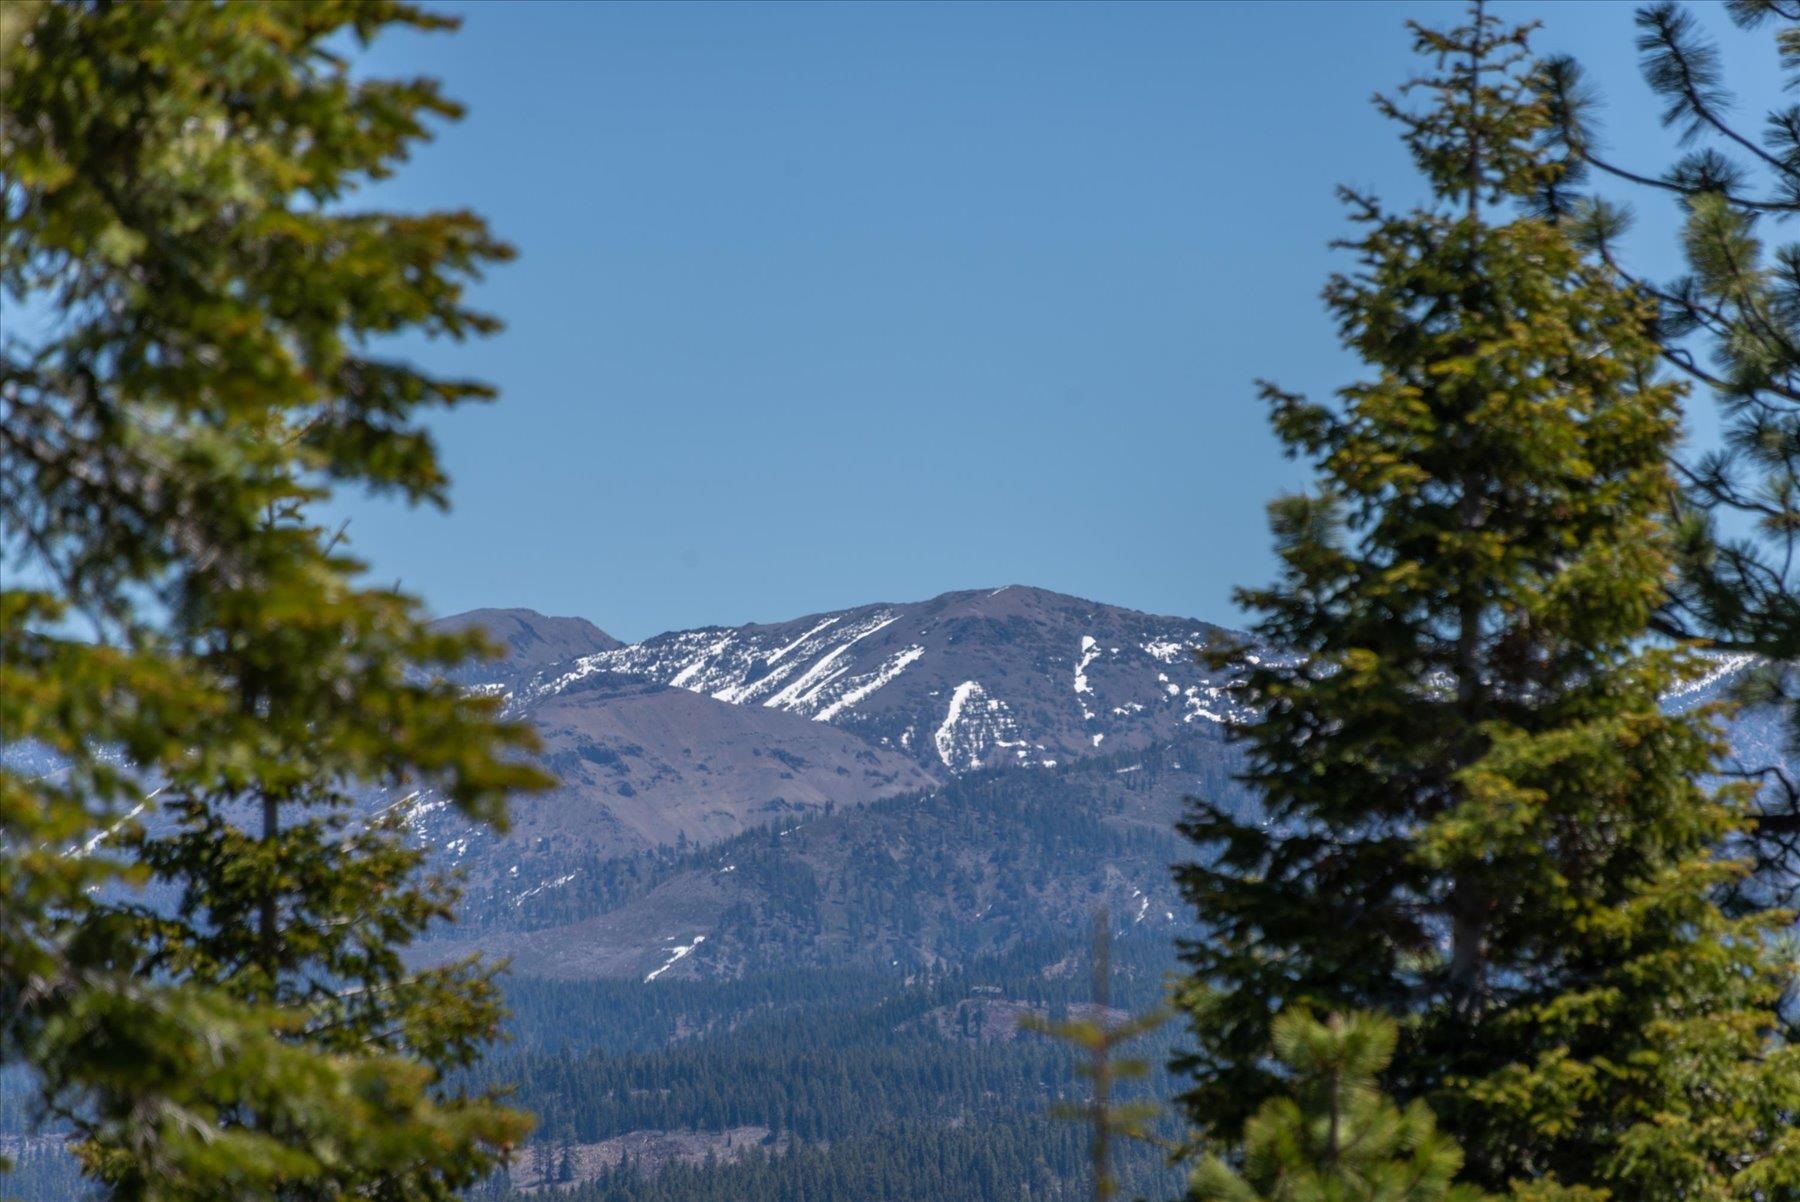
[
  {"x": 689, "y": 739},
  {"x": 917, "y": 744},
  {"x": 985, "y": 696}
]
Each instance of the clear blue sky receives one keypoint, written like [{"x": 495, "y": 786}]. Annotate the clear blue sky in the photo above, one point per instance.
[{"x": 825, "y": 304}]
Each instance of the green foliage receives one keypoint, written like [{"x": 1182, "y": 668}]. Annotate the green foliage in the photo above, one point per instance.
[
  {"x": 183, "y": 641},
  {"x": 1730, "y": 322},
  {"x": 873, "y": 1079},
  {"x": 1335, "y": 1137},
  {"x": 1011, "y": 1158},
  {"x": 1478, "y": 820},
  {"x": 871, "y": 1086}
]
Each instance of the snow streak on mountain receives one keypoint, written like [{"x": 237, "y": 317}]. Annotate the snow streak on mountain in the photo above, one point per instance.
[{"x": 969, "y": 680}]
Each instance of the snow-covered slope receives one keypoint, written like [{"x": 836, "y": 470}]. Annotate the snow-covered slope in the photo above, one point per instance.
[{"x": 968, "y": 680}]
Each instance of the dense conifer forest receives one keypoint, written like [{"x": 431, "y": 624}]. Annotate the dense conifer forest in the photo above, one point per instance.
[{"x": 849, "y": 1078}]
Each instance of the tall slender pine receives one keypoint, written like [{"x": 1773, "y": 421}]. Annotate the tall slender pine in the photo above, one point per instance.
[{"x": 1477, "y": 817}]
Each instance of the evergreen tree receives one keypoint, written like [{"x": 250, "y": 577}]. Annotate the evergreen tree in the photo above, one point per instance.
[
  {"x": 1097, "y": 1038},
  {"x": 1334, "y": 1137},
  {"x": 1477, "y": 819},
  {"x": 1731, "y": 323},
  {"x": 179, "y": 632}
]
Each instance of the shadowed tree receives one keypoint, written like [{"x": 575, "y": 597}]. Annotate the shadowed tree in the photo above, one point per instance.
[
  {"x": 1730, "y": 323},
  {"x": 1477, "y": 819},
  {"x": 197, "y": 682}
]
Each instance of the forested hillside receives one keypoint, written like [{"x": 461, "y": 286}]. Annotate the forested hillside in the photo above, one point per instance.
[
  {"x": 909, "y": 1086},
  {"x": 918, "y": 881},
  {"x": 920, "y": 1087}
]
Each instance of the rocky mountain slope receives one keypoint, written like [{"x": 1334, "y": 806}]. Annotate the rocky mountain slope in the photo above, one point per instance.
[
  {"x": 1002, "y": 677},
  {"x": 924, "y": 880},
  {"x": 895, "y": 785},
  {"x": 695, "y": 736},
  {"x": 644, "y": 765},
  {"x": 530, "y": 642}
]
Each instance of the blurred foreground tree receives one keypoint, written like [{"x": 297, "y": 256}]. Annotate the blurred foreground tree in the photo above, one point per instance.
[
  {"x": 1333, "y": 1136},
  {"x": 1478, "y": 821},
  {"x": 1731, "y": 323},
  {"x": 196, "y": 684}
]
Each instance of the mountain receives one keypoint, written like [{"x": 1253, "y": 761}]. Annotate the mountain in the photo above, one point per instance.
[
  {"x": 691, "y": 737},
  {"x": 898, "y": 784},
  {"x": 530, "y": 642},
  {"x": 989, "y": 678},
  {"x": 922, "y": 881}
]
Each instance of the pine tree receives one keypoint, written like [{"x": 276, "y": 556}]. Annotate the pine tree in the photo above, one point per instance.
[
  {"x": 1731, "y": 323},
  {"x": 1477, "y": 819},
  {"x": 180, "y": 632},
  {"x": 1097, "y": 1038},
  {"x": 1334, "y": 1137}
]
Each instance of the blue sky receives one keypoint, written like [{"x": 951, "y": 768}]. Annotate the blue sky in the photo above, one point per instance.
[{"x": 824, "y": 304}]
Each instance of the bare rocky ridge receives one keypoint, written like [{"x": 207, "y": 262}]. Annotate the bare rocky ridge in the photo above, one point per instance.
[
  {"x": 530, "y": 641},
  {"x": 647, "y": 765}
]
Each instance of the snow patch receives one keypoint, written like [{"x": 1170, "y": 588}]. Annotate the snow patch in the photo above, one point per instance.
[
  {"x": 1089, "y": 653},
  {"x": 89, "y": 845},
  {"x": 1207, "y": 701},
  {"x": 861, "y": 692},
  {"x": 1719, "y": 667},
  {"x": 974, "y": 723},
  {"x": 775, "y": 656},
  {"x": 806, "y": 689},
  {"x": 678, "y": 954},
  {"x": 680, "y": 679},
  {"x": 945, "y": 734},
  {"x": 558, "y": 883}
]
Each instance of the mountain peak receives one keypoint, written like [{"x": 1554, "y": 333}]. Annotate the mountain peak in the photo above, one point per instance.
[
  {"x": 530, "y": 640},
  {"x": 978, "y": 678}
]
